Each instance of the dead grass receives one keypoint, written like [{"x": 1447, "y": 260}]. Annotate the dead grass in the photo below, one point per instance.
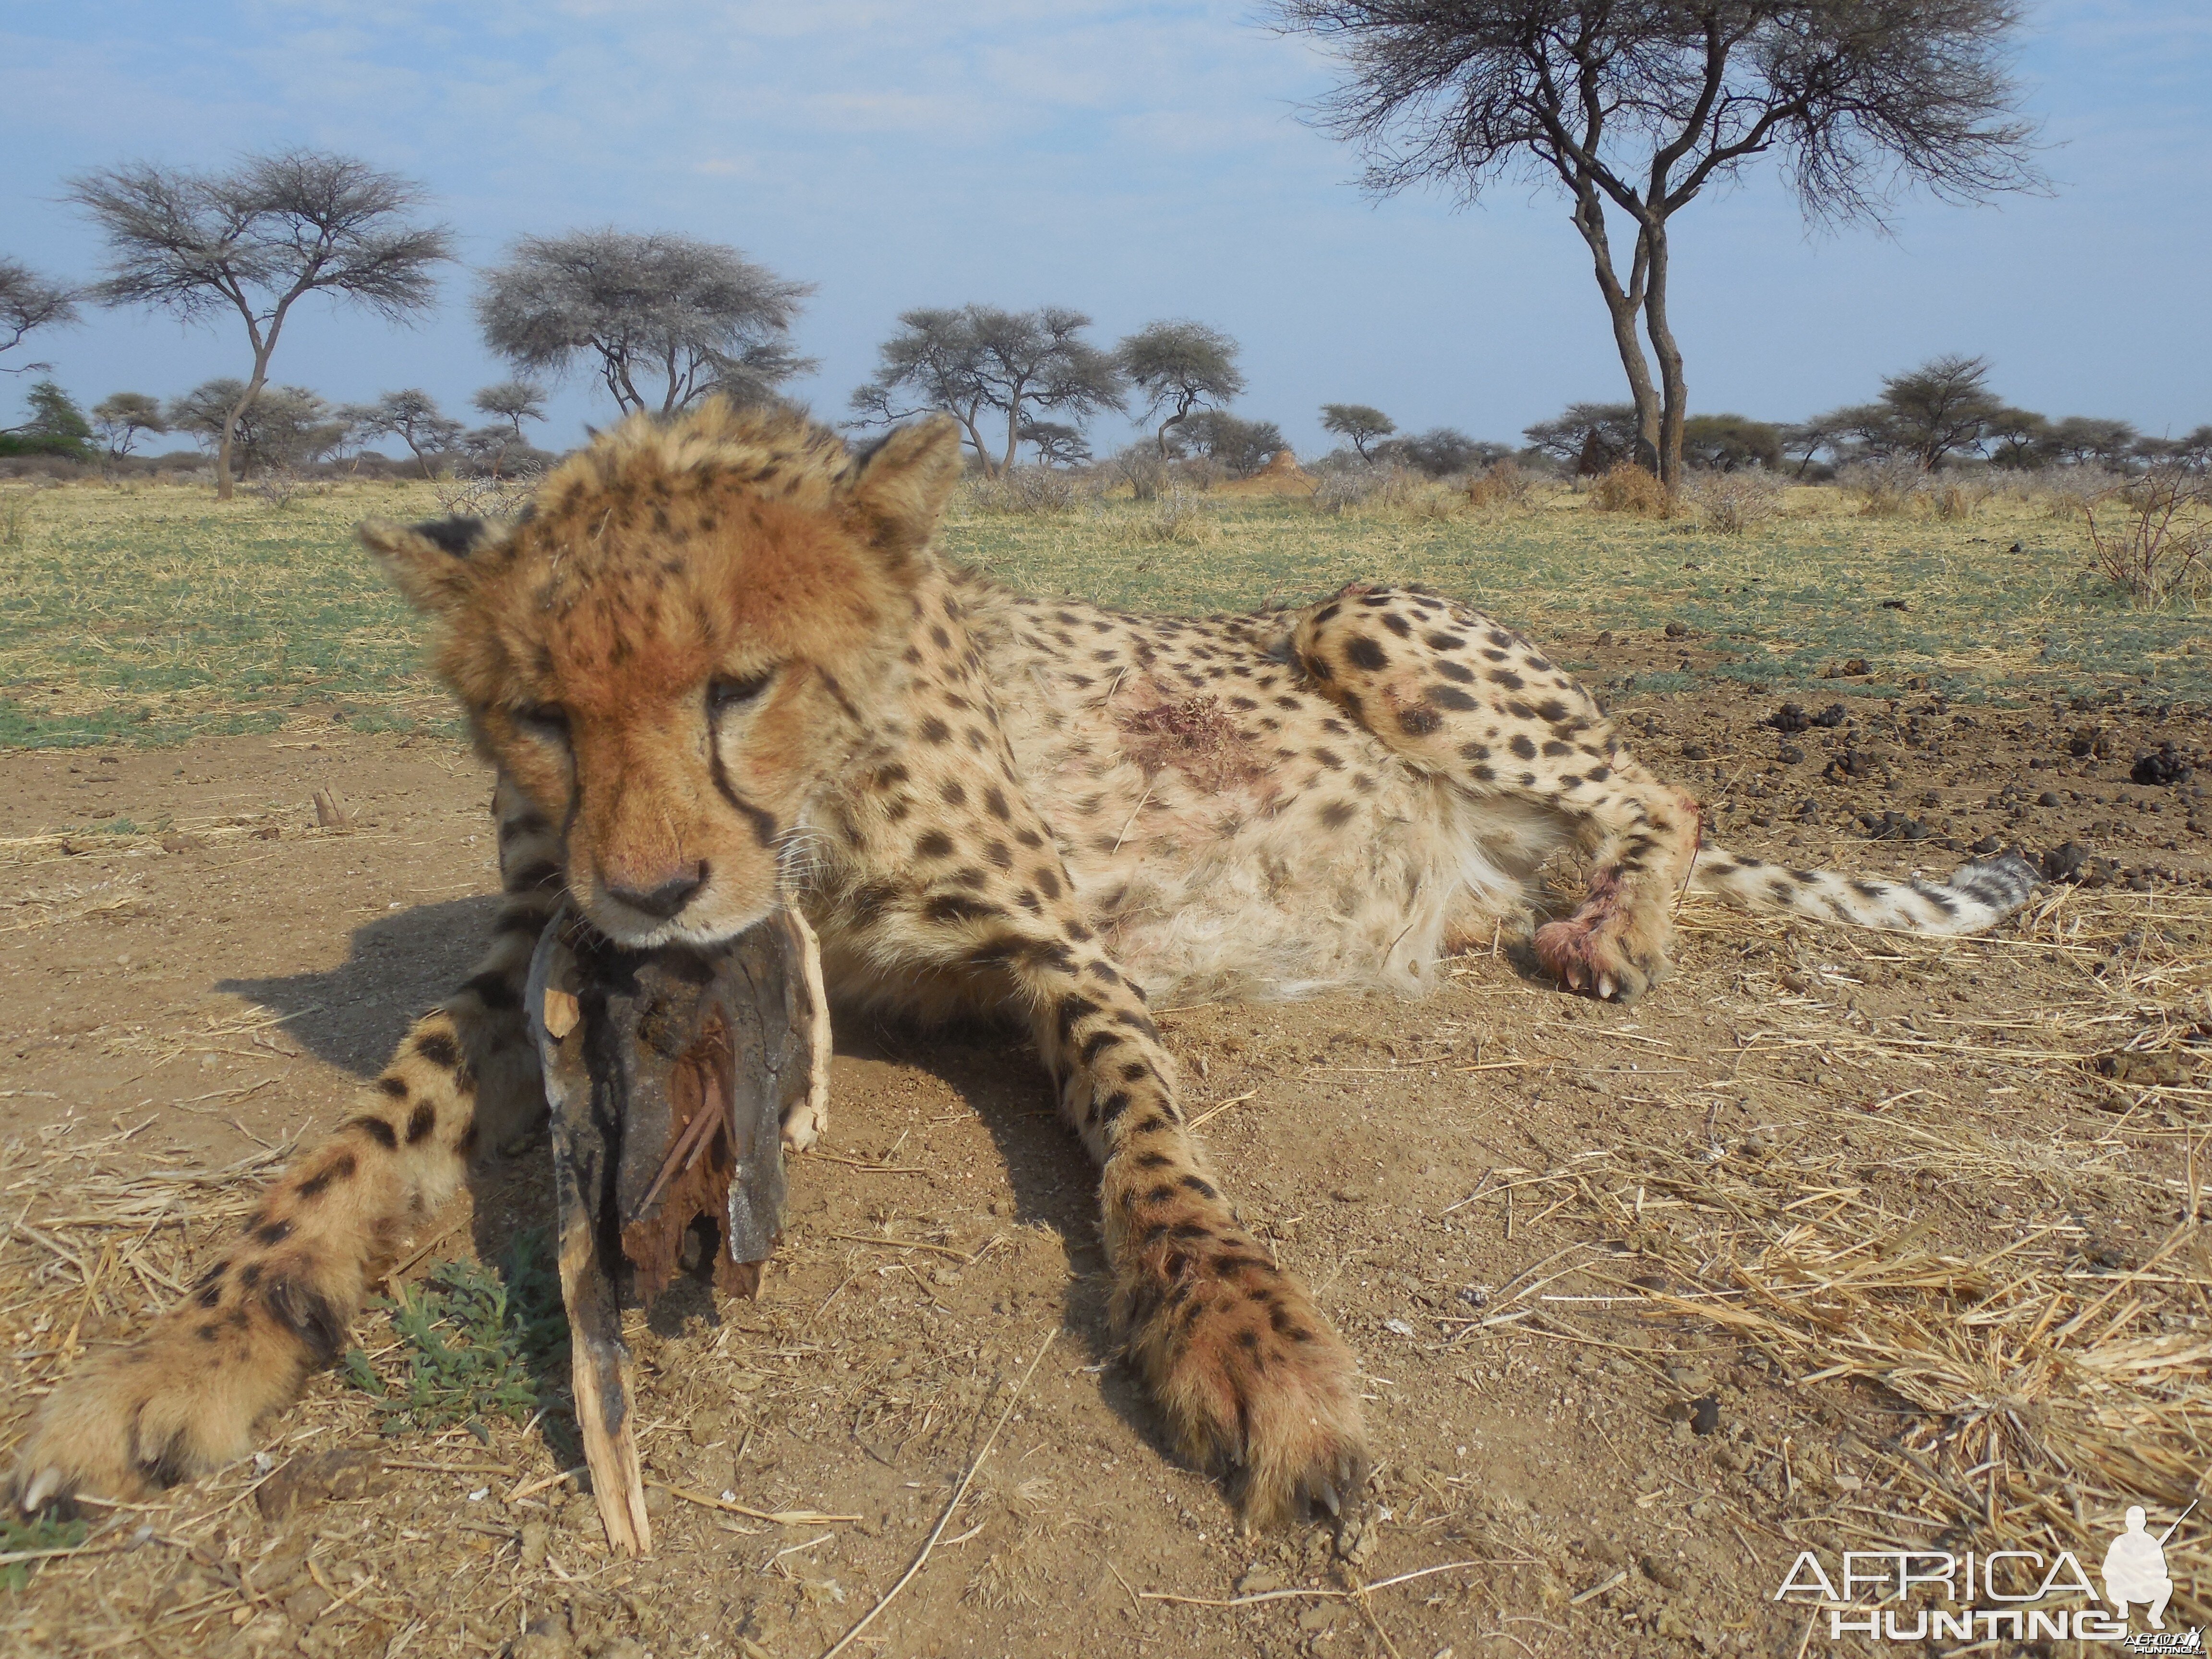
[{"x": 2021, "y": 1382}]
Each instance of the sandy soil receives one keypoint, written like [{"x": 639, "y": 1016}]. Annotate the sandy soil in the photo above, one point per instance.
[{"x": 1477, "y": 1186}]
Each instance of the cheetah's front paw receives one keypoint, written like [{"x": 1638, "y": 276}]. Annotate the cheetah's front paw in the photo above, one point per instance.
[
  {"x": 1252, "y": 1379},
  {"x": 136, "y": 1420}
]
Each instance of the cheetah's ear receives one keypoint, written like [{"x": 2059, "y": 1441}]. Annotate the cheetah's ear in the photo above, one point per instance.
[
  {"x": 429, "y": 562},
  {"x": 901, "y": 485}
]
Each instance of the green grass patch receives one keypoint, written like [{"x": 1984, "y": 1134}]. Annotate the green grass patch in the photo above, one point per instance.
[
  {"x": 475, "y": 1342},
  {"x": 153, "y": 614},
  {"x": 17, "y": 1535}
]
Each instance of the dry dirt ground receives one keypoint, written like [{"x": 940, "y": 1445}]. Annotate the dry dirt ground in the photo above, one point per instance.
[{"x": 1835, "y": 1242}]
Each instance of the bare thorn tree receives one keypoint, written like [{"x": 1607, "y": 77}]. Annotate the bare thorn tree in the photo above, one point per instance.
[
  {"x": 670, "y": 320},
  {"x": 257, "y": 240},
  {"x": 1635, "y": 106},
  {"x": 1180, "y": 367},
  {"x": 28, "y": 300},
  {"x": 982, "y": 361}
]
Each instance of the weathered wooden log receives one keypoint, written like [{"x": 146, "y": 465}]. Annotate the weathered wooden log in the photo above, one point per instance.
[{"x": 669, "y": 1073}]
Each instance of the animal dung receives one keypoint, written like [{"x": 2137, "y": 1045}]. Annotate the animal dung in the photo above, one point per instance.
[{"x": 669, "y": 1073}]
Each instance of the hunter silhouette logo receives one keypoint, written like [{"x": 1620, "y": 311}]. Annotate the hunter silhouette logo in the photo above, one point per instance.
[{"x": 2135, "y": 1569}]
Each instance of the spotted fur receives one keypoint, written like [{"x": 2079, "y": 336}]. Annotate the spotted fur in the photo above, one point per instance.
[{"x": 718, "y": 667}]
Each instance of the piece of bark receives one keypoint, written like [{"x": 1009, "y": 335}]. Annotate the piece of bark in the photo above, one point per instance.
[{"x": 669, "y": 1073}]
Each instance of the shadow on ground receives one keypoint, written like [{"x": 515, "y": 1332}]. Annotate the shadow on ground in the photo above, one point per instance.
[{"x": 400, "y": 965}]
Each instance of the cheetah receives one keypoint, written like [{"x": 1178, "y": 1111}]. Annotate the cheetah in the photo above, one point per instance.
[{"x": 719, "y": 667}]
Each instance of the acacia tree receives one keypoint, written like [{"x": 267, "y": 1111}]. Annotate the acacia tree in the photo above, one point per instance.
[
  {"x": 1180, "y": 367},
  {"x": 57, "y": 426},
  {"x": 1588, "y": 437},
  {"x": 2080, "y": 440},
  {"x": 257, "y": 240},
  {"x": 283, "y": 426},
  {"x": 28, "y": 300},
  {"x": 1359, "y": 424},
  {"x": 1943, "y": 408},
  {"x": 120, "y": 418},
  {"x": 1057, "y": 443},
  {"x": 979, "y": 362},
  {"x": 1925, "y": 415},
  {"x": 1635, "y": 106},
  {"x": 412, "y": 415},
  {"x": 1241, "y": 447},
  {"x": 513, "y": 402},
  {"x": 667, "y": 319}
]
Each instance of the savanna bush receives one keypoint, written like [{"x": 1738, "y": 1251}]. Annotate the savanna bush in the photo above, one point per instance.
[
  {"x": 1344, "y": 489},
  {"x": 1179, "y": 517},
  {"x": 1024, "y": 490},
  {"x": 1735, "y": 502},
  {"x": 1885, "y": 488},
  {"x": 2153, "y": 535},
  {"x": 1960, "y": 497},
  {"x": 1143, "y": 468},
  {"x": 1502, "y": 484},
  {"x": 1624, "y": 486}
]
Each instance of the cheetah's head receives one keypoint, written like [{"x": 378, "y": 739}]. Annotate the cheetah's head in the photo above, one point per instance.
[{"x": 680, "y": 643}]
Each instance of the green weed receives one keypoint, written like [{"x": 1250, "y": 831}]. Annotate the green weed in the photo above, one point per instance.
[
  {"x": 476, "y": 1342},
  {"x": 40, "y": 1534}
]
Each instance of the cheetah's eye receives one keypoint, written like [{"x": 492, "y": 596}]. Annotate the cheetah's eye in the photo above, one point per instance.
[
  {"x": 728, "y": 692},
  {"x": 547, "y": 719}
]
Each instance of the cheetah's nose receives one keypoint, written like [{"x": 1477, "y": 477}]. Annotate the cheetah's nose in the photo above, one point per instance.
[{"x": 664, "y": 901}]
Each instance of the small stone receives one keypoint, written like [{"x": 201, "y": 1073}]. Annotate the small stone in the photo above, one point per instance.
[
  {"x": 1660, "y": 1572},
  {"x": 266, "y": 1630},
  {"x": 303, "y": 1604},
  {"x": 535, "y": 1537},
  {"x": 1358, "y": 1541},
  {"x": 1316, "y": 1617},
  {"x": 546, "y": 1638},
  {"x": 1351, "y": 1195},
  {"x": 1704, "y": 1415},
  {"x": 709, "y": 1426},
  {"x": 657, "y": 1501},
  {"x": 1259, "y": 1578},
  {"x": 1677, "y": 631}
]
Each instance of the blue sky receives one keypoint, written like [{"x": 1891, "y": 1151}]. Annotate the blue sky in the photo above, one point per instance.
[{"x": 1135, "y": 160}]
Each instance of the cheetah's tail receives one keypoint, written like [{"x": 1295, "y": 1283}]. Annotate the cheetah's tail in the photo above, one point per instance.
[{"x": 1975, "y": 896}]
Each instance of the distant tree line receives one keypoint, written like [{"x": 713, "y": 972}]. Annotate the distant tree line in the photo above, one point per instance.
[
  {"x": 1940, "y": 415},
  {"x": 662, "y": 320}
]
